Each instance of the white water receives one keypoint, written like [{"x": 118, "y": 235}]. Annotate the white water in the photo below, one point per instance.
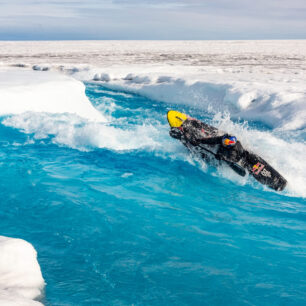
[
  {"x": 287, "y": 156},
  {"x": 77, "y": 133}
]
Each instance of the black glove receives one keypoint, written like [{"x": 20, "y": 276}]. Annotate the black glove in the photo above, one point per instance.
[{"x": 176, "y": 133}]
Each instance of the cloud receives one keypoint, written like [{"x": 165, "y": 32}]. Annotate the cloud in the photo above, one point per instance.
[{"x": 152, "y": 19}]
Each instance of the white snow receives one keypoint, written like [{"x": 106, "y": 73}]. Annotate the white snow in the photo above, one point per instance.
[
  {"x": 21, "y": 280},
  {"x": 234, "y": 55},
  {"x": 251, "y": 96},
  {"x": 101, "y": 77},
  {"x": 37, "y": 91},
  {"x": 254, "y": 80}
]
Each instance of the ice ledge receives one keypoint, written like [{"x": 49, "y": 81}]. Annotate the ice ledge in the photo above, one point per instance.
[
  {"x": 273, "y": 97},
  {"x": 23, "y": 91},
  {"x": 21, "y": 280}
]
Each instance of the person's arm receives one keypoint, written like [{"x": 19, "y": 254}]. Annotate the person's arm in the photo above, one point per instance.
[
  {"x": 212, "y": 140},
  {"x": 176, "y": 133}
]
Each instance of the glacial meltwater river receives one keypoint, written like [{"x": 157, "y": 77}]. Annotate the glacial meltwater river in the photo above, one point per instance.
[{"x": 121, "y": 214}]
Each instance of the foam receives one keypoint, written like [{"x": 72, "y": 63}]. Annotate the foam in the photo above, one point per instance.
[
  {"x": 21, "y": 280},
  {"x": 75, "y": 132},
  {"x": 287, "y": 157},
  {"x": 78, "y": 133}
]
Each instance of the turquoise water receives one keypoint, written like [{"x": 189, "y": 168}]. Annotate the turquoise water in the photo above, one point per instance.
[{"x": 142, "y": 227}]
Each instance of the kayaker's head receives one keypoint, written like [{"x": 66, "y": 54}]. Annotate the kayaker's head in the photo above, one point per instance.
[{"x": 229, "y": 141}]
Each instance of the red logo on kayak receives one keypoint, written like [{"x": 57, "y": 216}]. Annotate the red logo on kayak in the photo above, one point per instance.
[{"x": 257, "y": 168}]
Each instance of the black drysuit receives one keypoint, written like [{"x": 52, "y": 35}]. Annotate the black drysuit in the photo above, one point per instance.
[
  {"x": 231, "y": 154},
  {"x": 190, "y": 132},
  {"x": 195, "y": 132}
]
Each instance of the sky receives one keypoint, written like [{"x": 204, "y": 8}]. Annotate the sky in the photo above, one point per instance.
[{"x": 152, "y": 19}]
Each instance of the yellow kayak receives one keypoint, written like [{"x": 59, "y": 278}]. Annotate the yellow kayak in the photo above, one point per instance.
[{"x": 175, "y": 118}]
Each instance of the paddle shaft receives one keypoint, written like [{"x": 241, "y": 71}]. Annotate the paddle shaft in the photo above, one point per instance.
[{"x": 238, "y": 169}]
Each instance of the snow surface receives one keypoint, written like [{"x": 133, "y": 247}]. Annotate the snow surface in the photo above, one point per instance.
[
  {"x": 254, "y": 80},
  {"x": 276, "y": 103},
  {"x": 24, "y": 91},
  {"x": 21, "y": 280},
  {"x": 273, "y": 54}
]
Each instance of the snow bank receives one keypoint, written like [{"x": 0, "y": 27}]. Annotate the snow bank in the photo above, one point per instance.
[
  {"x": 255, "y": 80},
  {"x": 52, "y": 105},
  {"x": 21, "y": 280},
  {"x": 277, "y": 101},
  {"x": 36, "y": 91}
]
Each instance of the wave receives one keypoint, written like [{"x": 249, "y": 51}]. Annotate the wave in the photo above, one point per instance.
[
  {"x": 287, "y": 156},
  {"x": 78, "y": 133}
]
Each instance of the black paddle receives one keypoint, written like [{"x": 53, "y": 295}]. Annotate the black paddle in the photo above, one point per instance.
[{"x": 238, "y": 169}]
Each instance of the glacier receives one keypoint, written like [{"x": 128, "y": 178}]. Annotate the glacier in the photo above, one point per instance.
[{"x": 241, "y": 84}]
